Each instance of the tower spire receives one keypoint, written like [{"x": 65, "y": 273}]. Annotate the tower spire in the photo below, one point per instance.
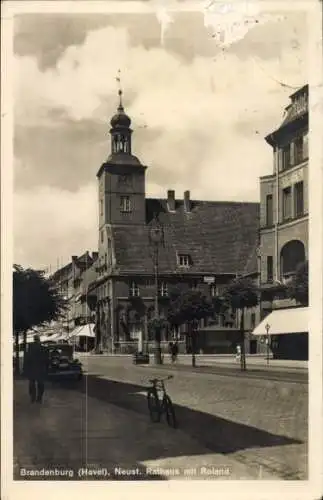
[
  {"x": 120, "y": 107},
  {"x": 120, "y": 123},
  {"x": 118, "y": 78}
]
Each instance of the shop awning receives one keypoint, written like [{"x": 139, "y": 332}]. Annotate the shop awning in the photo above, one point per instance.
[
  {"x": 284, "y": 321},
  {"x": 83, "y": 331}
]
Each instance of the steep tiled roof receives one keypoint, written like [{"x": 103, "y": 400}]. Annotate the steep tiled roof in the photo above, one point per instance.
[{"x": 219, "y": 237}]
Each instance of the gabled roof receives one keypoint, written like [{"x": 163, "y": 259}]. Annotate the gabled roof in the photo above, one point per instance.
[
  {"x": 219, "y": 237},
  {"x": 62, "y": 271},
  {"x": 293, "y": 114},
  {"x": 84, "y": 261}
]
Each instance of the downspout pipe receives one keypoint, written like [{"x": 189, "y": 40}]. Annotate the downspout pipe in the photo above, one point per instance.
[{"x": 276, "y": 165}]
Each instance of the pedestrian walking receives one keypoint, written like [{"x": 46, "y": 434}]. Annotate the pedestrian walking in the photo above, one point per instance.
[
  {"x": 174, "y": 351},
  {"x": 36, "y": 368},
  {"x": 170, "y": 350},
  {"x": 238, "y": 353}
]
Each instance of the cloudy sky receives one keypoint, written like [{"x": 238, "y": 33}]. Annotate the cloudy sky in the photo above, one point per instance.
[{"x": 201, "y": 96}]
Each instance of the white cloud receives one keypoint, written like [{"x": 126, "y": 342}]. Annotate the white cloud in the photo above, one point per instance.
[
  {"x": 209, "y": 117},
  {"x": 52, "y": 224}
]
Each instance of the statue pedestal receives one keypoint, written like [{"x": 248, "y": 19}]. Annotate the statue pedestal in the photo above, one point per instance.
[{"x": 140, "y": 341}]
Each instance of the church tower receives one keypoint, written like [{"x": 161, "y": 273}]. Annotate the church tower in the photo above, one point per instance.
[{"x": 121, "y": 182}]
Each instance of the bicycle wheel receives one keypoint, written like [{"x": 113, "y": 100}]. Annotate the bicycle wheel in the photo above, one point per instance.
[
  {"x": 170, "y": 412},
  {"x": 153, "y": 406}
]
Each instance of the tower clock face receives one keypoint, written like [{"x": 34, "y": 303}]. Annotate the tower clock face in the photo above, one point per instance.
[{"x": 125, "y": 180}]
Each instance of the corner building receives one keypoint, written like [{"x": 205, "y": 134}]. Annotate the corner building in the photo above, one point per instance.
[
  {"x": 284, "y": 200},
  {"x": 205, "y": 245}
]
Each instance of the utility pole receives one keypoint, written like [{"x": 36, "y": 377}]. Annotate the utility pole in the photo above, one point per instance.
[{"x": 156, "y": 236}]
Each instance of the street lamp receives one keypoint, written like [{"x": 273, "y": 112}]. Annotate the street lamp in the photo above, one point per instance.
[
  {"x": 267, "y": 330},
  {"x": 156, "y": 236}
]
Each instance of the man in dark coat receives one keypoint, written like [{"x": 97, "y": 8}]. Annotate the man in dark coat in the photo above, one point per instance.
[{"x": 36, "y": 366}]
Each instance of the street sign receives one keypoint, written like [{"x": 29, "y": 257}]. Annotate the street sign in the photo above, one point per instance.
[{"x": 209, "y": 279}]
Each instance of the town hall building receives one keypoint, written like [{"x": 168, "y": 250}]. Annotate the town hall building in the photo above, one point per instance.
[{"x": 203, "y": 246}]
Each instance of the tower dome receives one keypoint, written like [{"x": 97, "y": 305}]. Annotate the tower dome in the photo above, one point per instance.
[{"x": 120, "y": 120}]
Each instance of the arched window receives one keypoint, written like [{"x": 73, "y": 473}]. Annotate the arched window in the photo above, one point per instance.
[{"x": 292, "y": 254}]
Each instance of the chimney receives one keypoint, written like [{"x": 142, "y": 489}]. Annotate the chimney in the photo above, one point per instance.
[
  {"x": 171, "y": 200},
  {"x": 74, "y": 258},
  {"x": 187, "y": 202}
]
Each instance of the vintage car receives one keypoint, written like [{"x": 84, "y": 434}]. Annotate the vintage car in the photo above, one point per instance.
[{"x": 62, "y": 364}]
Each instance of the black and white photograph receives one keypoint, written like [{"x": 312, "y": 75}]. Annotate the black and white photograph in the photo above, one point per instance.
[{"x": 161, "y": 252}]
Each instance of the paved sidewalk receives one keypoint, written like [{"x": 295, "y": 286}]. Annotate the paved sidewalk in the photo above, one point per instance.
[
  {"x": 253, "y": 361},
  {"x": 73, "y": 430}
]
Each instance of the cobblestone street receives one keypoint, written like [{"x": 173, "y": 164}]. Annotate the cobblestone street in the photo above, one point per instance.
[
  {"x": 228, "y": 413},
  {"x": 71, "y": 431},
  {"x": 256, "y": 428}
]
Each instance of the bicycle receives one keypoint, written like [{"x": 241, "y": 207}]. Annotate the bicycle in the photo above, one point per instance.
[{"x": 158, "y": 405}]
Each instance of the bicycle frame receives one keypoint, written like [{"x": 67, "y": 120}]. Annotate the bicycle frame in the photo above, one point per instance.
[{"x": 163, "y": 403}]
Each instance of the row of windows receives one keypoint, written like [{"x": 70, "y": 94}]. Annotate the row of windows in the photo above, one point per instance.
[
  {"x": 179, "y": 332},
  {"x": 288, "y": 212},
  {"x": 163, "y": 289},
  {"x": 294, "y": 153}
]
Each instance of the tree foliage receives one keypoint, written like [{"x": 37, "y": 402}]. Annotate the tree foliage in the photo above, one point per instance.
[
  {"x": 241, "y": 294},
  {"x": 298, "y": 287},
  {"x": 35, "y": 299},
  {"x": 188, "y": 307}
]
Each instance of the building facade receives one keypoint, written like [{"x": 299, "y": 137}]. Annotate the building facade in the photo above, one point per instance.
[
  {"x": 73, "y": 281},
  {"x": 204, "y": 246},
  {"x": 284, "y": 204}
]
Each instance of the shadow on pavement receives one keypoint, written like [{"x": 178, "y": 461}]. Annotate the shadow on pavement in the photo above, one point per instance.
[
  {"x": 217, "y": 434},
  {"x": 214, "y": 433}
]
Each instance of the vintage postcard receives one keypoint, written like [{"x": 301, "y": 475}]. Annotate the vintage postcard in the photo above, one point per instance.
[{"x": 162, "y": 249}]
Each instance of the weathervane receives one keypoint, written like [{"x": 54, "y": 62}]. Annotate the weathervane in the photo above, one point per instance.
[{"x": 118, "y": 79}]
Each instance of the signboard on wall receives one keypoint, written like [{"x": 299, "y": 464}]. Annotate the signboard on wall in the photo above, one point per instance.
[{"x": 209, "y": 279}]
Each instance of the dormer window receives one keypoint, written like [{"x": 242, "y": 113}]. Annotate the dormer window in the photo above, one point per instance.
[
  {"x": 183, "y": 260},
  {"x": 125, "y": 204},
  {"x": 134, "y": 290}
]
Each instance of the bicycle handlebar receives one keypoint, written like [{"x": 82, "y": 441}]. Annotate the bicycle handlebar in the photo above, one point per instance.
[{"x": 154, "y": 380}]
